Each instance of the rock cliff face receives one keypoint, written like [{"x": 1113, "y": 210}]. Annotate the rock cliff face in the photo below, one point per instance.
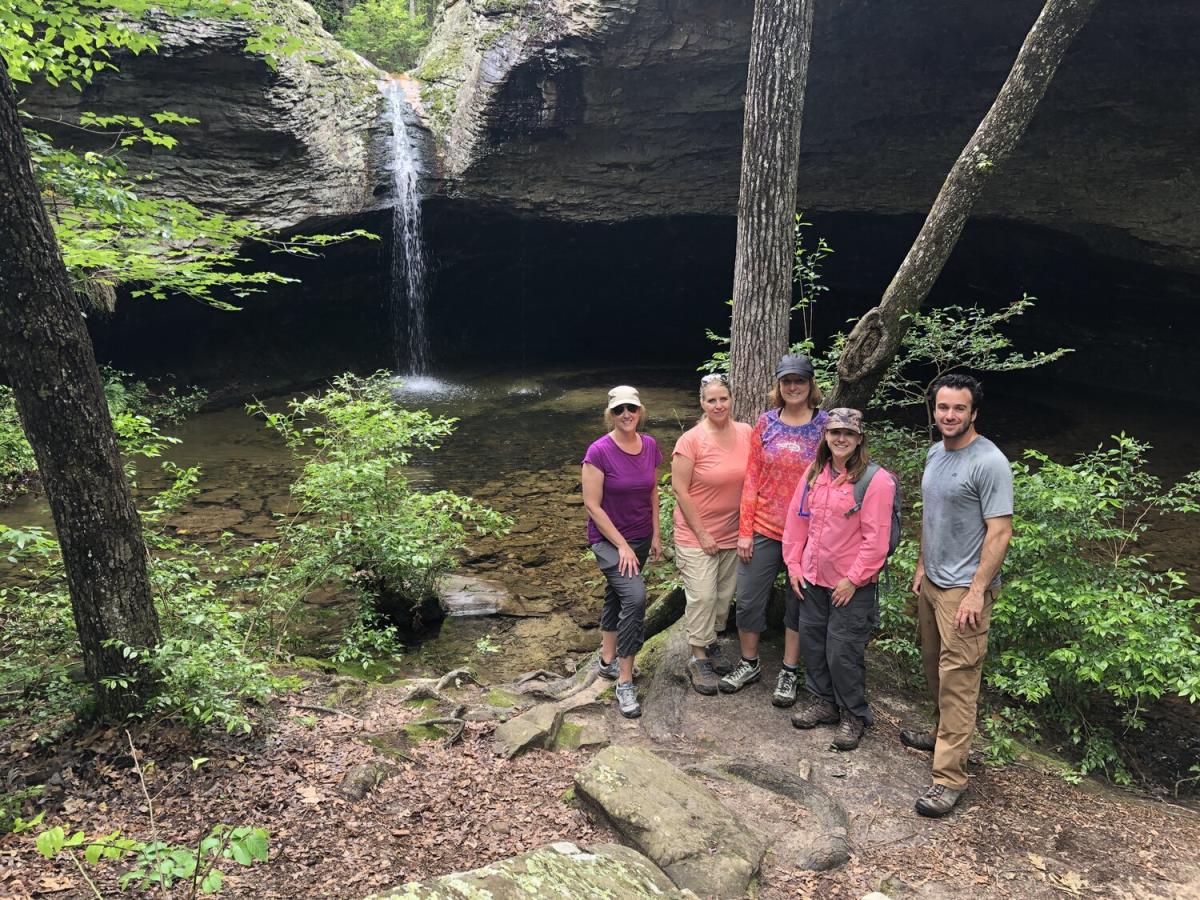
[
  {"x": 281, "y": 146},
  {"x": 607, "y": 110}
]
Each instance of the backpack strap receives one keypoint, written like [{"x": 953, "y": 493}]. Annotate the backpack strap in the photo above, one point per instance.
[{"x": 860, "y": 487}]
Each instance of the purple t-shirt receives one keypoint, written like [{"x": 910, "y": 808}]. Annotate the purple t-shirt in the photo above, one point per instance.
[{"x": 628, "y": 481}]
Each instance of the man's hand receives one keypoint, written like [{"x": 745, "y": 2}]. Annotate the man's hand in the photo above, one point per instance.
[
  {"x": 970, "y": 611},
  {"x": 707, "y": 543},
  {"x": 918, "y": 577},
  {"x": 797, "y": 585},
  {"x": 655, "y": 548}
]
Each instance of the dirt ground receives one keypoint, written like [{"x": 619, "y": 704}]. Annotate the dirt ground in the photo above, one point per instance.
[{"x": 1021, "y": 833}]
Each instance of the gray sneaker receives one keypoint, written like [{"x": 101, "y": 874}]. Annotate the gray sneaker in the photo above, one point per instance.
[
  {"x": 745, "y": 673},
  {"x": 785, "y": 689},
  {"x": 609, "y": 670},
  {"x": 627, "y": 701},
  {"x": 703, "y": 678}
]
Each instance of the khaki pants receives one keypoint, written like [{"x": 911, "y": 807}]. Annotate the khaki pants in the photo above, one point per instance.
[
  {"x": 953, "y": 667},
  {"x": 708, "y": 584}
]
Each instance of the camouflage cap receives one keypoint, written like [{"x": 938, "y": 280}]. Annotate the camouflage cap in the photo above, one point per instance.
[{"x": 844, "y": 417}]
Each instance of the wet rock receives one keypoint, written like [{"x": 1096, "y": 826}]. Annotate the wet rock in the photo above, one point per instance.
[
  {"x": 466, "y": 595},
  {"x": 207, "y": 520},
  {"x": 331, "y": 593},
  {"x": 559, "y": 870},
  {"x": 282, "y": 505},
  {"x": 536, "y": 728},
  {"x": 527, "y": 605},
  {"x": 360, "y": 780},
  {"x": 674, "y": 820},
  {"x": 217, "y": 495}
]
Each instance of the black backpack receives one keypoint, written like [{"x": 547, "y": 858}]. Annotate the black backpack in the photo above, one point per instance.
[{"x": 860, "y": 491}]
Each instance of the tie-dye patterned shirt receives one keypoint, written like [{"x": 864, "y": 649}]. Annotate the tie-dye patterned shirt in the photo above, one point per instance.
[{"x": 779, "y": 455}]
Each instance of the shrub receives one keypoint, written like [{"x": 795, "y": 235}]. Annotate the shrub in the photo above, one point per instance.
[{"x": 361, "y": 521}]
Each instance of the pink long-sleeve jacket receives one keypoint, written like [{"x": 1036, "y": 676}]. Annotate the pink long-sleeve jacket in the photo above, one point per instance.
[{"x": 824, "y": 545}]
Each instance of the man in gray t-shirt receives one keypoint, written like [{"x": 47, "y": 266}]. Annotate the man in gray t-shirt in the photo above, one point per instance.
[{"x": 966, "y": 525}]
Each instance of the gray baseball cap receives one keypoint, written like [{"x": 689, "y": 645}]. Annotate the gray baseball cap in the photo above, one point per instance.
[{"x": 794, "y": 364}]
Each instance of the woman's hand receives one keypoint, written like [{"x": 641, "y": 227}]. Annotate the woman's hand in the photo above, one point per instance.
[
  {"x": 707, "y": 544},
  {"x": 627, "y": 562},
  {"x": 797, "y": 585},
  {"x": 843, "y": 591},
  {"x": 745, "y": 548},
  {"x": 655, "y": 549}
]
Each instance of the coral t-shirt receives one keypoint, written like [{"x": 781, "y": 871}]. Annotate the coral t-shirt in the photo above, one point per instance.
[{"x": 716, "y": 485}]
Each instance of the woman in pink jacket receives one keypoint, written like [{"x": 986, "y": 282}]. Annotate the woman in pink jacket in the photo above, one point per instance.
[{"x": 834, "y": 554}]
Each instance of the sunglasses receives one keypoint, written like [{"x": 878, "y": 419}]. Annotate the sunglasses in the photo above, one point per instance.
[{"x": 624, "y": 408}]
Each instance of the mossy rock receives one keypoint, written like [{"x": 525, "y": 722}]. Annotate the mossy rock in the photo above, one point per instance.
[
  {"x": 421, "y": 733},
  {"x": 503, "y": 699},
  {"x": 421, "y": 704},
  {"x": 568, "y": 736}
]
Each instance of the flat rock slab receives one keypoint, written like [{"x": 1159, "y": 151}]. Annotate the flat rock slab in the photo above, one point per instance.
[
  {"x": 560, "y": 870},
  {"x": 674, "y": 820},
  {"x": 536, "y": 728},
  {"x": 467, "y": 595}
]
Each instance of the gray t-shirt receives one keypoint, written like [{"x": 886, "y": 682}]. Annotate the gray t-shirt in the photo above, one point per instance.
[{"x": 961, "y": 488}]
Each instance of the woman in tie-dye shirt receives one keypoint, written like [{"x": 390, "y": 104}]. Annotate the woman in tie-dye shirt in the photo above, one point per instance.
[{"x": 785, "y": 441}]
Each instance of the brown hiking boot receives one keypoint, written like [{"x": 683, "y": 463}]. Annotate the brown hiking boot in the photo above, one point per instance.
[
  {"x": 938, "y": 800},
  {"x": 919, "y": 740},
  {"x": 850, "y": 732},
  {"x": 817, "y": 712},
  {"x": 704, "y": 679}
]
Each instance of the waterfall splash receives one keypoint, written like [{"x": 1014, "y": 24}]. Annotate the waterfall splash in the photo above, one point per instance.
[{"x": 409, "y": 290}]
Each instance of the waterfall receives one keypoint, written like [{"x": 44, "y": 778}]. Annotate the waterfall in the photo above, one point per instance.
[{"x": 409, "y": 291}]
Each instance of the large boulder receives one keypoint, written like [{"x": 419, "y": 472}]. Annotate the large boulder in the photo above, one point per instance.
[
  {"x": 609, "y": 110},
  {"x": 674, "y": 820},
  {"x": 559, "y": 870}
]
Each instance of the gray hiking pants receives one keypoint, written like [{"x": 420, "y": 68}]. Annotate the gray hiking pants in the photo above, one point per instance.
[
  {"x": 833, "y": 643},
  {"x": 624, "y": 596}
]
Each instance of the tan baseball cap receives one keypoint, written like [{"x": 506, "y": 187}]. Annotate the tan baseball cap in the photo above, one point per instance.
[{"x": 622, "y": 394}]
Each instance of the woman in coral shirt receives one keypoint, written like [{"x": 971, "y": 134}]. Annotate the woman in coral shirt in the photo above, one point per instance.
[
  {"x": 707, "y": 470},
  {"x": 834, "y": 553}
]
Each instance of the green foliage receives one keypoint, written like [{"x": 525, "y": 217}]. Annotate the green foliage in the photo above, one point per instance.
[
  {"x": 16, "y": 456},
  {"x": 111, "y": 234},
  {"x": 1083, "y": 617},
  {"x": 158, "y": 864},
  {"x": 948, "y": 339},
  {"x": 385, "y": 33},
  {"x": 362, "y": 521},
  {"x": 205, "y": 670},
  {"x": 806, "y": 277},
  {"x": 11, "y": 804}
]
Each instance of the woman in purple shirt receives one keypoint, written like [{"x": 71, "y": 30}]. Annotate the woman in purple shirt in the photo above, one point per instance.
[{"x": 620, "y": 493}]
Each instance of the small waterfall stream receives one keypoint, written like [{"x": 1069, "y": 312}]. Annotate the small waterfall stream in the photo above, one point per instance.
[{"x": 409, "y": 289}]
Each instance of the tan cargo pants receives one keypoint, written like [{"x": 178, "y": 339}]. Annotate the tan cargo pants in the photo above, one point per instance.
[{"x": 953, "y": 664}]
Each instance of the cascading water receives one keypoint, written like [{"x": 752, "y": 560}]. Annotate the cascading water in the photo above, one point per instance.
[{"x": 409, "y": 290}]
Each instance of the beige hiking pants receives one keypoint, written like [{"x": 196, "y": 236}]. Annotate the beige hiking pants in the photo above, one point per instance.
[{"x": 953, "y": 666}]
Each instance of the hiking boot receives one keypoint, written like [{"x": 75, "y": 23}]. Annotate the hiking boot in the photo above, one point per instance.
[
  {"x": 850, "y": 732},
  {"x": 703, "y": 678},
  {"x": 785, "y": 689},
  {"x": 919, "y": 740},
  {"x": 627, "y": 701},
  {"x": 719, "y": 664},
  {"x": 745, "y": 673},
  {"x": 610, "y": 670},
  {"x": 818, "y": 712},
  {"x": 938, "y": 800}
]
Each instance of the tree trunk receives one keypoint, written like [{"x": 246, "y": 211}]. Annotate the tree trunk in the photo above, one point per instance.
[
  {"x": 49, "y": 363},
  {"x": 780, "y": 43},
  {"x": 875, "y": 340}
]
